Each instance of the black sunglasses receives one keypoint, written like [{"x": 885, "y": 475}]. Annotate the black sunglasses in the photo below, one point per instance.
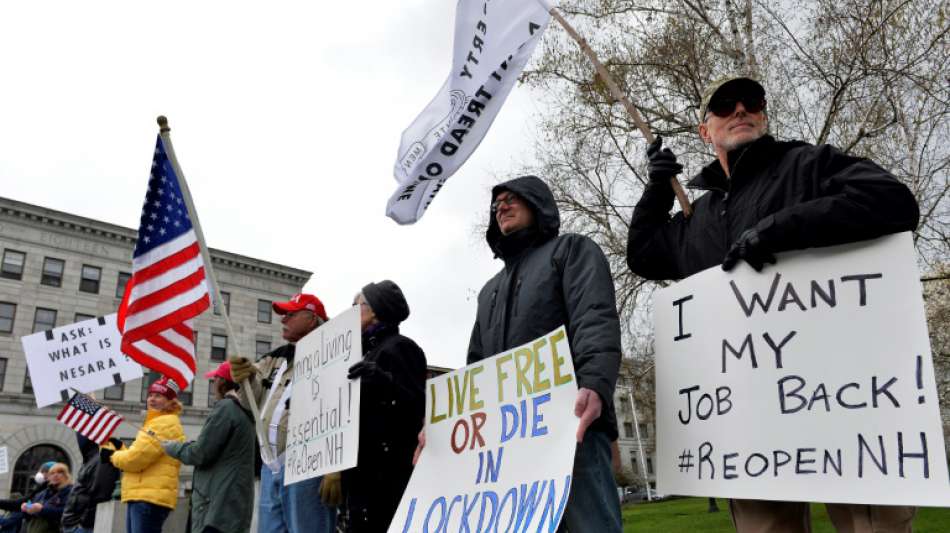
[{"x": 723, "y": 107}]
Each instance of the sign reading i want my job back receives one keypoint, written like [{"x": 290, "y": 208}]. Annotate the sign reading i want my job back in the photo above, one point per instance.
[
  {"x": 324, "y": 428},
  {"x": 500, "y": 441},
  {"x": 811, "y": 380},
  {"x": 84, "y": 356}
]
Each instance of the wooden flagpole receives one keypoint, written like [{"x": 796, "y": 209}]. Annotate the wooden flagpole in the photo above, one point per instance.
[
  {"x": 213, "y": 280},
  {"x": 618, "y": 95}
]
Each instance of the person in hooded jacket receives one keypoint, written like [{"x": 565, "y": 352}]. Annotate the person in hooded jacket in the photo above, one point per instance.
[
  {"x": 551, "y": 279},
  {"x": 763, "y": 197},
  {"x": 92, "y": 486},
  {"x": 44, "y": 512},
  {"x": 14, "y": 517},
  {"x": 392, "y": 408},
  {"x": 223, "y": 457},
  {"x": 149, "y": 477}
]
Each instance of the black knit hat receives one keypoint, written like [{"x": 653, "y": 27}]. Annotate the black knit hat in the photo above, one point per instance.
[{"x": 387, "y": 302}]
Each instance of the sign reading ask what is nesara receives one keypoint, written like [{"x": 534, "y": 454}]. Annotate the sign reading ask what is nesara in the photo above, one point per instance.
[
  {"x": 811, "y": 380},
  {"x": 84, "y": 356}
]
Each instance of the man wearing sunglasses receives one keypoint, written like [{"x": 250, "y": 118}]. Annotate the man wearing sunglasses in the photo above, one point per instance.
[{"x": 764, "y": 196}]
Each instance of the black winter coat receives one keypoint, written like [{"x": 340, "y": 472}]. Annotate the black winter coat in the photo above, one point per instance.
[
  {"x": 93, "y": 484},
  {"x": 392, "y": 410},
  {"x": 551, "y": 280},
  {"x": 795, "y": 194}
]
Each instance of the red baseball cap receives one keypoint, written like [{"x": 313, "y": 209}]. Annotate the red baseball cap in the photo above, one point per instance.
[
  {"x": 299, "y": 302},
  {"x": 223, "y": 371},
  {"x": 165, "y": 387}
]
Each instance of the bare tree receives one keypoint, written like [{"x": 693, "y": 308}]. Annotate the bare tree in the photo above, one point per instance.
[{"x": 871, "y": 77}]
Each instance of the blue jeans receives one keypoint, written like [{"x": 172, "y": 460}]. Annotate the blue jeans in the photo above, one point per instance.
[
  {"x": 295, "y": 508},
  {"x": 77, "y": 529},
  {"x": 144, "y": 517},
  {"x": 593, "y": 504}
]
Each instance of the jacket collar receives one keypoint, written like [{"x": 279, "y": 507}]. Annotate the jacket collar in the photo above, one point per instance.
[{"x": 752, "y": 156}]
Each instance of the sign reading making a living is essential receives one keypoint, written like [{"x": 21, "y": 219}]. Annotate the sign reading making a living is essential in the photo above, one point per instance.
[
  {"x": 84, "y": 356},
  {"x": 500, "y": 441},
  {"x": 811, "y": 380},
  {"x": 324, "y": 428}
]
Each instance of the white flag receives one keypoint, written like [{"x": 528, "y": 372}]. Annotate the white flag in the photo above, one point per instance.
[{"x": 493, "y": 41}]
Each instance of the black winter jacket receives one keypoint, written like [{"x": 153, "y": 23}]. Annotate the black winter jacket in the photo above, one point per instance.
[
  {"x": 551, "y": 280},
  {"x": 391, "y": 415},
  {"x": 795, "y": 194},
  {"x": 93, "y": 484}
]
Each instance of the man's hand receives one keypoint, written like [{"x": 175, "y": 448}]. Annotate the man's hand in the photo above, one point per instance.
[
  {"x": 420, "y": 446},
  {"x": 31, "y": 508},
  {"x": 105, "y": 455},
  {"x": 587, "y": 407},
  {"x": 661, "y": 164},
  {"x": 241, "y": 368},
  {"x": 749, "y": 247},
  {"x": 370, "y": 372},
  {"x": 331, "y": 490},
  {"x": 168, "y": 445}
]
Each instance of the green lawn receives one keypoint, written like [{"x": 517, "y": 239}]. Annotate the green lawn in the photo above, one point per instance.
[{"x": 691, "y": 514}]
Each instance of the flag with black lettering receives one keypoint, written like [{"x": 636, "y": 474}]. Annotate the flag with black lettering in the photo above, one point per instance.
[{"x": 494, "y": 40}]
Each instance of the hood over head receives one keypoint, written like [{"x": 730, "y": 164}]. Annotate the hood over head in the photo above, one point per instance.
[{"x": 539, "y": 198}]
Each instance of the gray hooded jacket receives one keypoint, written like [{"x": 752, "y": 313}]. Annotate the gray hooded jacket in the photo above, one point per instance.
[{"x": 549, "y": 280}]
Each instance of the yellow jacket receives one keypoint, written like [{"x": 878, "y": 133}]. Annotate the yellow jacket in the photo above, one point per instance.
[{"x": 148, "y": 475}]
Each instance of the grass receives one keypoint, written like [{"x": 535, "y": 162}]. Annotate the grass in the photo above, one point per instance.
[{"x": 691, "y": 514}]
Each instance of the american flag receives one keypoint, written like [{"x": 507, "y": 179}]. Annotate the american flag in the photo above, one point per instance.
[
  {"x": 168, "y": 286},
  {"x": 95, "y": 422}
]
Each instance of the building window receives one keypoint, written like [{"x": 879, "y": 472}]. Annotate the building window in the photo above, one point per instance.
[
  {"x": 264, "y": 311},
  {"x": 44, "y": 319},
  {"x": 643, "y": 430},
  {"x": 12, "y": 264},
  {"x": 634, "y": 463},
  {"x": 7, "y": 314},
  {"x": 115, "y": 392},
  {"x": 27, "y": 383},
  {"x": 219, "y": 347},
  {"x": 83, "y": 316},
  {"x": 3, "y": 371},
  {"x": 628, "y": 430},
  {"x": 53, "y": 272},
  {"x": 262, "y": 348},
  {"x": 625, "y": 405},
  {"x": 211, "y": 398},
  {"x": 124, "y": 278},
  {"x": 89, "y": 280},
  {"x": 650, "y": 466},
  {"x": 226, "y": 299}
]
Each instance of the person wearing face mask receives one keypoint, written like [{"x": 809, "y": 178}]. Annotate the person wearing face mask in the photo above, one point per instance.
[
  {"x": 12, "y": 505},
  {"x": 44, "y": 511},
  {"x": 764, "y": 196},
  {"x": 149, "y": 477},
  {"x": 392, "y": 377}
]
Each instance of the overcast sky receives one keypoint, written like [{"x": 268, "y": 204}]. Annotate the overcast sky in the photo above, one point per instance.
[{"x": 285, "y": 118}]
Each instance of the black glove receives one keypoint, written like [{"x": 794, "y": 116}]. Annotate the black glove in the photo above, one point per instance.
[
  {"x": 749, "y": 247},
  {"x": 105, "y": 455},
  {"x": 116, "y": 442},
  {"x": 661, "y": 164},
  {"x": 370, "y": 372}
]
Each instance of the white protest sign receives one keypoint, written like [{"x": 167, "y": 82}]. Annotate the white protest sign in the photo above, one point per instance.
[
  {"x": 84, "y": 356},
  {"x": 500, "y": 442},
  {"x": 811, "y": 381},
  {"x": 493, "y": 42},
  {"x": 324, "y": 427},
  {"x": 4, "y": 462}
]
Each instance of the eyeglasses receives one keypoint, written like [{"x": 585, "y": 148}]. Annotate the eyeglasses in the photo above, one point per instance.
[
  {"x": 507, "y": 200},
  {"x": 723, "y": 107}
]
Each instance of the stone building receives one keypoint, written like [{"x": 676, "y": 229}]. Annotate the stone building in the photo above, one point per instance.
[
  {"x": 633, "y": 384},
  {"x": 56, "y": 269}
]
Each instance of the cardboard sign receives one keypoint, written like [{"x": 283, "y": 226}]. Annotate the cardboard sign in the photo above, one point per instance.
[
  {"x": 84, "y": 356},
  {"x": 811, "y": 380},
  {"x": 324, "y": 427},
  {"x": 500, "y": 442}
]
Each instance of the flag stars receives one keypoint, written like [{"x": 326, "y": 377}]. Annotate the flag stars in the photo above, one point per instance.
[
  {"x": 157, "y": 204},
  {"x": 161, "y": 231},
  {"x": 153, "y": 216}
]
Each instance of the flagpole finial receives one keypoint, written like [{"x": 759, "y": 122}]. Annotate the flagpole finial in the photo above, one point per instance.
[{"x": 163, "y": 124}]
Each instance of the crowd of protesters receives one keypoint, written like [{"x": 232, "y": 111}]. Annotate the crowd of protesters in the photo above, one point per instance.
[{"x": 761, "y": 197}]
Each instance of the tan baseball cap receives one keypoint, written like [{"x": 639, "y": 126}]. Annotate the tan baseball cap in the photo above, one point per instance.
[{"x": 738, "y": 84}]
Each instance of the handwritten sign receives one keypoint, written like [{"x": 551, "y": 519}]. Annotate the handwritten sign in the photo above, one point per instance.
[
  {"x": 84, "y": 356},
  {"x": 324, "y": 427},
  {"x": 811, "y": 380},
  {"x": 500, "y": 442}
]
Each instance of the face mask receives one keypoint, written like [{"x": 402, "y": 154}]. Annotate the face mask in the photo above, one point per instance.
[{"x": 39, "y": 478}]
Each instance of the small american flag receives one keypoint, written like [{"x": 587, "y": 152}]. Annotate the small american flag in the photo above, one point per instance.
[
  {"x": 95, "y": 422},
  {"x": 168, "y": 286}
]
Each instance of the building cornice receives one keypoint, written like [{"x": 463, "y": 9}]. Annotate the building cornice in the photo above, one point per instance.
[{"x": 126, "y": 237}]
